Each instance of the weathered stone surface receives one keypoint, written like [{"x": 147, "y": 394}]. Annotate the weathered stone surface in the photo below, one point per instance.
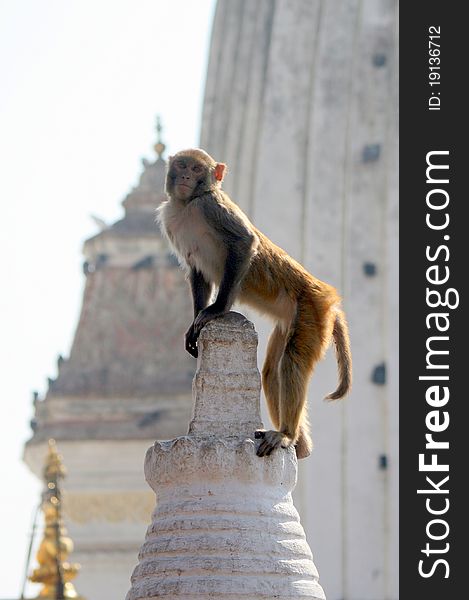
[
  {"x": 229, "y": 371},
  {"x": 224, "y": 525}
]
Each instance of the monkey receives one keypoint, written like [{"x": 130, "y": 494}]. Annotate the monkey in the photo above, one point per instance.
[{"x": 219, "y": 247}]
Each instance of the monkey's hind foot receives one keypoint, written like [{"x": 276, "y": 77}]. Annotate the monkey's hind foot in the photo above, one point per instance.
[{"x": 270, "y": 441}]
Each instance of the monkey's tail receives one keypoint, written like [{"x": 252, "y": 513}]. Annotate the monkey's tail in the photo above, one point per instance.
[{"x": 343, "y": 355}]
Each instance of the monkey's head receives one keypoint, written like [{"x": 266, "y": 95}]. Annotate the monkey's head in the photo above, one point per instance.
[{"x": 191, "y": 173}]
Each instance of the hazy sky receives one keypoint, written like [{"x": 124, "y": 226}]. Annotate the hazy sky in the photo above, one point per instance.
[{"x": 81, "y": 84}]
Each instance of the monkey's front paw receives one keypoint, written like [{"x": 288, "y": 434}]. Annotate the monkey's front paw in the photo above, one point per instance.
[
  {"x": 205, "y": 316},
  {"x": 191, "y": 341},
  {"x": 270, "y": 441}
]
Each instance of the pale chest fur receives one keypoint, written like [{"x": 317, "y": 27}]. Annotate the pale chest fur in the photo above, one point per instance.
[{"x": 195, "y": 243}]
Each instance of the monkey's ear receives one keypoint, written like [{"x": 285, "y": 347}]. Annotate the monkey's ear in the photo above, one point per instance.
[{"x": 219, "y": 171}]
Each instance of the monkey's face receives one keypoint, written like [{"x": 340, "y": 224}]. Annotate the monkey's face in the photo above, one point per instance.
[
  {"x": 186, "y": 178},
  {"x": 192, "y": 173}
]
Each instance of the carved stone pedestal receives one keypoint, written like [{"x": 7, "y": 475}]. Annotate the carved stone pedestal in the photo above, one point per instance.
[{"x": 224, "y": 525}]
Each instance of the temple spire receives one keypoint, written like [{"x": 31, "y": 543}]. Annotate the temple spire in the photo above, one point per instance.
[
  {"x": 159, "y": 146},
  {"x": 54, "y": 572}
]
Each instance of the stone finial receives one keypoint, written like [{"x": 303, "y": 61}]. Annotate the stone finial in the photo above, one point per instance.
[
  {"x": 226, "y": 387},
  {"x": 224, "y": 525}
]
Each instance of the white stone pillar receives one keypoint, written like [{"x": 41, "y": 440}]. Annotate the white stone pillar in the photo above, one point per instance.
[{"x": 224, "y": 525}]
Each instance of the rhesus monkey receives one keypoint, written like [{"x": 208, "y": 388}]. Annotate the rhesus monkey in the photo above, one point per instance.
[{"x": 219, "y": 246}]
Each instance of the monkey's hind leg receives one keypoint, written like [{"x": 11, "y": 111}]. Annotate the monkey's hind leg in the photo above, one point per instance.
[
  {"x": 271, "y": 386},
  {"x": 291, "y": 395},
  {"x": 303, "y": 349},
  {"x": 270, "y": 373}
]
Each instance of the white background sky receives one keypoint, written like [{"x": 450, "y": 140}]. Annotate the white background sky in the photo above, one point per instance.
[{"x": 81, "y": 84}]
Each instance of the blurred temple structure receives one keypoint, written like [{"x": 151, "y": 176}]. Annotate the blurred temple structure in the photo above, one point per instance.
[
  {"x": 301, "y": 102},
  {"x": 126, "y": 383}
]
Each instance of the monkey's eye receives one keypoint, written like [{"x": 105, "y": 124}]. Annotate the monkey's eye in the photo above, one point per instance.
[
  {"x": 197, "y": 169},
  {"x": 181, "y": 164}
]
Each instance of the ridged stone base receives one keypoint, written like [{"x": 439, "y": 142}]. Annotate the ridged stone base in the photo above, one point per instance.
[{"x": 224, "y": 526}]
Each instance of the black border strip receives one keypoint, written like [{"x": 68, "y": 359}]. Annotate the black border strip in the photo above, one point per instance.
[{"x": 423, "y": 131}]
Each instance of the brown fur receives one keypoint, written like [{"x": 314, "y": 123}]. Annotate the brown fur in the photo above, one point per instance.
[{"x": 306, "y": 310}]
